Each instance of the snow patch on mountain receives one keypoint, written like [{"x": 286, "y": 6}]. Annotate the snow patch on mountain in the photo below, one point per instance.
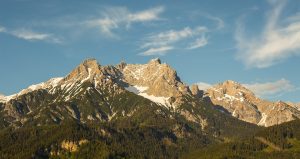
[
  {"x": 229, "y": 98},
  {"x": 140, "y": 90},
  {"x": 89, "y": 76},
  {"x": 136, "y": 89},
  {"x": 53, "y": 82},
  {"x": 262, "y": 121}
]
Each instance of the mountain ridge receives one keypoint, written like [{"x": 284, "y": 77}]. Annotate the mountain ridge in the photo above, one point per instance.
[
  {"x": 160, "y": 83},
  {"x": 242, "y": 103}
]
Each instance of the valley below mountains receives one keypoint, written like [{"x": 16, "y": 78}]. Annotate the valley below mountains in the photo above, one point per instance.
[{"x": 143, "y": 111}]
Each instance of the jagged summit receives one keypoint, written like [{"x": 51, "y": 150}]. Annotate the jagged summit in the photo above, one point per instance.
[
  {"x": 158, "y": 79},
  {"x": 121, "y": 65},
  {"x": 242, "y": 103},
  {"x": 87, "y": 69},
  {"x": 232, "y": 88},
  {"x": 155, "y": 61},
  {"x": 90, "y": 63}
]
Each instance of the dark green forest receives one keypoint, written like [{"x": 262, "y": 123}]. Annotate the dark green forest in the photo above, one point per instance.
[
  {"x": 145, "y": 142},
  {"x": 276, "y": 142}
]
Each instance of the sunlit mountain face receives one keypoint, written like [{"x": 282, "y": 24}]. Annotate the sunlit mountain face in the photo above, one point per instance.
[{"x": 186, "y": 79}]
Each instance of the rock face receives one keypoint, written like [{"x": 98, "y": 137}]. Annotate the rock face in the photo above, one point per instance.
[
  {"x": 160, "y": 80},
  {"x": 2, "y": 98},
  {"x": 195, "y": 91},
  {"x": 295, "y": 105},
  {"x": 72, "y": 146},
  {"x": 244, "y": 105}
]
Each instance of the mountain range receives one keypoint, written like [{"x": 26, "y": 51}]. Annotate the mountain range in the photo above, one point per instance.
[
  {"x": 155, "y": 81},
  {"x": 111, "y": 109}
]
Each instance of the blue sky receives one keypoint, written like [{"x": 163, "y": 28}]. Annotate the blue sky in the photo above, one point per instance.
[{"x": 254, "y": 42}]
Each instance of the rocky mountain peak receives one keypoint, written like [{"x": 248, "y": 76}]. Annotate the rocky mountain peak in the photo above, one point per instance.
[
  {"x": 195, "y": 91},
  {"x": 241, "y": 103},
  {"x": 147, "y": 74},
  {"x": 281, "y": 104},
  {"x": 232, "y": 88},
  {"x": 155, "y": 61},
  {"x": 229, "y": 84},
  {"x": 121, "y": 65},
  {"x": 87, "y": 69},
  {"x": 90, "y": 63},
  {"x": 158, "y": 79}
]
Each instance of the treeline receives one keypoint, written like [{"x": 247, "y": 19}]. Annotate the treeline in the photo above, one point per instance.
[
  {"x": 104, "y": 141},
  {"x": 283, "y": 142}
]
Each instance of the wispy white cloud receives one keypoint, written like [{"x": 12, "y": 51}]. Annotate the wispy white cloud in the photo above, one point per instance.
[
  {"x": 2, "y": 29},
  {"x": 157, "y": 51},
  {"x": 146, "y": 15},
  {"x": 275, "y": 44},
  {"x": 217, "y": 22},
  {"x": 271, "y": 88},
  {"x": 119, "y": 17},
  {"x": 170, "y": 37},
  {"x": 220, "y": 23},
  {"x": 30, "y": 35},
  {"x": 199, "y": 42}
]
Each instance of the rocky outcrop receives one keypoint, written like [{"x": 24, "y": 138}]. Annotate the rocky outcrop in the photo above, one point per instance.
[
  {"x": 244, "y": 105},
  {"x": 295, "y": 105},
  {"x": 86, "y": 70},
  {"x": 159, "y": 79},
  {"x": 195, "y": 91},
  {"x": 69, "y": 146},
  {"x": 2, "y": 98}
]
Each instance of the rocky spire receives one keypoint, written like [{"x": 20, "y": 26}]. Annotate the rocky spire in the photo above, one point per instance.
[
  {"x": 121, "y": 65},
  {"x": 195, "y": 91},
  {"x": 155, "y": 61},
  {"x": 86, "y": 69},
  {"x": 90, "y": 63}
]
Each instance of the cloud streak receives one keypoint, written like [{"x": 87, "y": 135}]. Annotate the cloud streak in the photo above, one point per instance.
[
  {"x": 34, "y": 36},
  {"x": 168, "y": 38},
  {"x": 220, "y": 23},
  {"x": 275, "y": 44},
  {"x": 2, "y": 29},
  {"x": 157, "y": 51},
  {"x": 30, "y": 35},
  {"x": 199, "y": 42},
  {"x": 119, "y": 17}
]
